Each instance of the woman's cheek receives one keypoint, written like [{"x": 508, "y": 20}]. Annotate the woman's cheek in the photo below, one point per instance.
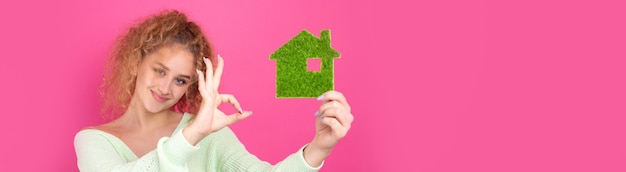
[{"x": 180, "y": 91}]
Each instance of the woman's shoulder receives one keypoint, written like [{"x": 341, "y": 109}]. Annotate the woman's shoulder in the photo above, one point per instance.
[
  {"x": 93, "y": 134},
  {"x": 106, "y": 129}
]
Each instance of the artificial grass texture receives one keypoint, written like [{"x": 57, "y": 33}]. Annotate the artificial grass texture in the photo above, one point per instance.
[{"x": 292, "y": 78}]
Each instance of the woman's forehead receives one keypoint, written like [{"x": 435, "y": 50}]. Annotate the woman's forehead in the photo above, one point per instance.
[{"x": 173, "y": 57}]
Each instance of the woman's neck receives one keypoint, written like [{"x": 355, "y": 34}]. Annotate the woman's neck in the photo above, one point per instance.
[{"x": 138, "y": 118}]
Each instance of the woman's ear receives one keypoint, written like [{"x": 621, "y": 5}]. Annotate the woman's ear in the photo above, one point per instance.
[
  {"x": 133, "y": 71},
  {"x": 137, "y": 65}
]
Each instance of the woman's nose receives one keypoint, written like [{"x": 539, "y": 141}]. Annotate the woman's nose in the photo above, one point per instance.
[{"x": 164, "y": 86}]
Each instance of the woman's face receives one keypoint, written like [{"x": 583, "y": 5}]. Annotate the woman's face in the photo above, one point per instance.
[{"x": 163, "y": 77}]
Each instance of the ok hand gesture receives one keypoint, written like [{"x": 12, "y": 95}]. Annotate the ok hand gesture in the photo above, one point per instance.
[{"x": 210, "y": 119}]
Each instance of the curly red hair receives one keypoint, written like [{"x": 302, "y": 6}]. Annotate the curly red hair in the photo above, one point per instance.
[{"x": 167, "y": 28}]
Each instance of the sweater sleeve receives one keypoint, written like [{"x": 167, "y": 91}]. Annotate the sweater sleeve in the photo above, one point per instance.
[
  {"x": 235, "y": 157},
  {"x": 95, "y": 152}
]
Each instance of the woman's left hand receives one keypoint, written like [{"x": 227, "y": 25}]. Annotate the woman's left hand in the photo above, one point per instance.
[{"x": 334, "y": 119}]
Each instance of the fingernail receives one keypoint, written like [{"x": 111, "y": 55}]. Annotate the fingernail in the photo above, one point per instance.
[
  {"x": 250, "y": 112},
  {"x": 320, "y": 97},
  {"x": 219, "y": 57},
  {"x": 317, "y": 113},
  {"x": 205, "y": 59},
  {"x": 240, "y": 110}
]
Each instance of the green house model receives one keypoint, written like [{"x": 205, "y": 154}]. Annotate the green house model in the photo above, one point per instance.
[{"x": 293, "y": 79}]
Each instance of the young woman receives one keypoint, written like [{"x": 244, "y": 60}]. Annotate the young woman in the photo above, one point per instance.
[{"x": 159, "y": 73}]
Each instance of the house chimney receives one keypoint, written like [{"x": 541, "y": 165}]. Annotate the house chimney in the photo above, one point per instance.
[{"x": 325, "y": 36}]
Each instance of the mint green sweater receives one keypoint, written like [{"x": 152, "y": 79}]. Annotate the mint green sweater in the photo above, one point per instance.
[{"x": 97, "y": 150}]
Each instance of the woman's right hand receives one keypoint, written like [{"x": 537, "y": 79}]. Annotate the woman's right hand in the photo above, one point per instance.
[{"x": 210, "y": 119}]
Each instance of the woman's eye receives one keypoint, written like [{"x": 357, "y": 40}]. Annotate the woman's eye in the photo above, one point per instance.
[
  {"x": 160, "y": 71},
  {"x": 180, "y": 81}
]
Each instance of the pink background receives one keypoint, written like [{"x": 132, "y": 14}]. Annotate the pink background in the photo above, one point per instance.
[{"x": 446, "y": 85}]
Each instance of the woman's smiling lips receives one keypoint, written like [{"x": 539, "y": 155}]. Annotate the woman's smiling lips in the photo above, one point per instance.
[{"x": 158, "y": 97}]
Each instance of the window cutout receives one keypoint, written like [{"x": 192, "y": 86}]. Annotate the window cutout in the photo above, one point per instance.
[{"x": 313, "y": 64}]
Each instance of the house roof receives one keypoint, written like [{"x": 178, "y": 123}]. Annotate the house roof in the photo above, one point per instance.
[{"x": 305, "y": 45}]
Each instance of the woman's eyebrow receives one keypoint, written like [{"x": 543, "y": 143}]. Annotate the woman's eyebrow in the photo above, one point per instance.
[
  {"x": 185, "y": 76},
  {"x": 162, "y": 65},
  {"x": 168, "y": 69}
]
